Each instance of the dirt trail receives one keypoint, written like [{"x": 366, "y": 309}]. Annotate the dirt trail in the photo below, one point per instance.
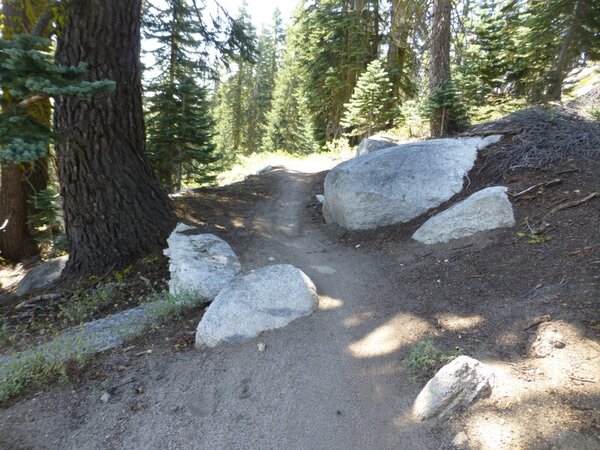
[
  {"x": 338, "y": 379},
  {"x": 329, "y": 381}
]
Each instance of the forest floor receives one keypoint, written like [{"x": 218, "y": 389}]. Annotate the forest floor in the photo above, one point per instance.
[{"x": 340, "y": 378}]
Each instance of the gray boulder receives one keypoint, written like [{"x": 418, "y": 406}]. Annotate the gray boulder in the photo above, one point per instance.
[
  {"x": 487, "y": 209},
  {"x": 375, "y": 143},
  {"x": 264, "y": 299},
  {"x": 456, "y": 385},
  {"x": 200, "y": 264},
  {"x": 42, "y": 275},
  {"x": 397, "y": 184}
]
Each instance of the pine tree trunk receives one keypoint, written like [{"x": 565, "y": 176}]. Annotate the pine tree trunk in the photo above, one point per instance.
[
  {"x": 114, "y": 208},
  {"x": 396, "y": 56},
  {"x": 16, "y": 241},
  {"x": 19, "y": 182},
  {"x": 566, "y": 51},
  {"x": 440, "y": 59}
]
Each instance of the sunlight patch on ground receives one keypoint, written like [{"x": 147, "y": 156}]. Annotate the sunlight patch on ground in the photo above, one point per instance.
[
  {"x": 494, "y": 433},
  {"x": 328, "y": 303},
  {"x": 452, "y": 322},
  {"x": 399, "y": 331},
  {"x": 358, "y": 319},
  {"x": 250, "y": 165},
  {"x": 533, "y": 392},
  {"x": 11, "y": 275}
]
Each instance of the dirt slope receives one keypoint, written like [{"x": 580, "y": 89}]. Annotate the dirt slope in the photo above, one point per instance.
[{"x": 338, "y": 379}]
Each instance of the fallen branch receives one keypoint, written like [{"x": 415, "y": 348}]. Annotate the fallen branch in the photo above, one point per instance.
[
  {"x": 562, "y": 206},
  {"x": 584, "y": 380},
  {"x": 538, "y": 320},
  {"x": 488, "y": 132},
  {"x": 40, "y": 298},
  {"x": 535, "y": 186}
]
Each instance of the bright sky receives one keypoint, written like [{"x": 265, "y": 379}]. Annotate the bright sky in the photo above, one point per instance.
[{"x": 261, "y": 10}]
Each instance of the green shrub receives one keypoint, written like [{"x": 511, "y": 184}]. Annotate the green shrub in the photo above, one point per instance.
[{"x": 425, "y": 359}]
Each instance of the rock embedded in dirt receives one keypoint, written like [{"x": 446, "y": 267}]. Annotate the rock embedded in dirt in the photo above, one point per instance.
[
  {"x": 485, "y": 210},
  {"x": 456, "y": 385},
  {"x": 545, "y": 340},
  {"x": 460, "y": 439},
  {"x": 375, "y": 143},
  {"x": 42, "y": 275},
  {"x": 398, "y": 184},
  {"x": 264, "y": 299},
  {"x": 200, "y": 264}
]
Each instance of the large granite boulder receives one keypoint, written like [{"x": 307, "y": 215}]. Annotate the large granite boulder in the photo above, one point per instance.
[
  {"x": 42, "y": 275},
  {"x": 264, "y": 299},
  {"x": 200, "y": 264},
  {"x": 487, "y": 209},
  {"x": 455, "y": 386},
  {"x": 375, "y": 143},
  {"x": 397, "y": 184}
]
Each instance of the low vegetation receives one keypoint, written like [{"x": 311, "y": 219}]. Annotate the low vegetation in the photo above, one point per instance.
[{"x": 426, "y": 359}]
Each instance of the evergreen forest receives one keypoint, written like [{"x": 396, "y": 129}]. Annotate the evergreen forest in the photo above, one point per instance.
[{"x": 96, "y": 129}]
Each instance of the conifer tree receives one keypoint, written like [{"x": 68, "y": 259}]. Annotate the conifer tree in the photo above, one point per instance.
[
  {"x": 290, "y": 125},
  {"x": 179, "y": 123},
  {"x": 29, "y": 76},
  {"x": 554, "y": 36},
  {"x": 439, "y": 73},
  {"x": 372, "y": 106},
  {"x": 114, "y": 208},
  {"x": 333, "y": 42},
  {"x": 489, "y": 55}
]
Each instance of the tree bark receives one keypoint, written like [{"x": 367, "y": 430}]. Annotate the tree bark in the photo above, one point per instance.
[
  {"x": 440, "y": 59},
  {"x": 114, "y": 208},
  {"x": 16, "y": 240},
  {"x": 19, "y": 182},
  {"x": 566, "y": 51}
]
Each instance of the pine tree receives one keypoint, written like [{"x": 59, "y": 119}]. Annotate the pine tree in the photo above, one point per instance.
[
  {"x": 290, "y": 123},
  {"x": 180, "y": 128},
  {"x": 405, "y": 38},
  {"x": 439, "y": 73},
  {"x": 554, "y": 37},
  {"x": 29, "y": 78},
  {"x": 269, "y": 53},
  {"x": 114, "y": 208},
  {"x": 29, "y": 75},
  {"x": 489, "y": 55},
  {"x": 333, "y": 41},
  {"x": 372, "y": 106}
]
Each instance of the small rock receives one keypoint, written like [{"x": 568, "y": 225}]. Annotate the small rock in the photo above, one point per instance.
[
  {"x": 265, "y": 169},
  {"x": 261, "y": 346},
  {"x": 545, "y": 340},
  {"x": 41, "y": 275},
  {"x": 320, "y": 198},
  {"x": 456, "y": 385},
  {"x": 460, "y": 439},
  {"x": 270, "y": 258},
  {"x": 105, "y": 397}
]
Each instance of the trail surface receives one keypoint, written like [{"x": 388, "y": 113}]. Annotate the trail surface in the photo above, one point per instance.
[{"x": 329, "y": 381}]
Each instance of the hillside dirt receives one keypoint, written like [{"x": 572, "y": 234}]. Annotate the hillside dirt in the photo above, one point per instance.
[{"x": 340, "y": 378}]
